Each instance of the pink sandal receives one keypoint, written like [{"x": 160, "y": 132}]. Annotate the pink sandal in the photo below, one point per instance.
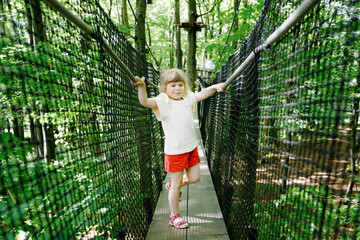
[
  {"x": 168, "y": 186},
  {"x": 178, "y": 222}
]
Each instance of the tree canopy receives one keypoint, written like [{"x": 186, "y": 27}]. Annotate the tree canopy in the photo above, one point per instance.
[{"x": 216, "y": 16}]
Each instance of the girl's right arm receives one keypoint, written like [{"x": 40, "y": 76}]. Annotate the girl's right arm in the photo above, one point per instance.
[{"x": 142, "y": 94}]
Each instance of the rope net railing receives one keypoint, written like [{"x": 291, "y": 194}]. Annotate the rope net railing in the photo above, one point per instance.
[
  {"x": 80, "y": 158},
  {"x": 282, "y": 143}
]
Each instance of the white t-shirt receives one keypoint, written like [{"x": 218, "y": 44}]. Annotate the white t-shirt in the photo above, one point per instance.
[{"x": 178, "y": 123}]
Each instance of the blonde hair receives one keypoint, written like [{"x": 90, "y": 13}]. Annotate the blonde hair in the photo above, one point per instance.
[{"x": 172, "y": 75}]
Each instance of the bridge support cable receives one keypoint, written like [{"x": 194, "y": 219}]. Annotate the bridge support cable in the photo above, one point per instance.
[
  {"x": 292, "y": 20},
  {"x": 61, "y": 8}
]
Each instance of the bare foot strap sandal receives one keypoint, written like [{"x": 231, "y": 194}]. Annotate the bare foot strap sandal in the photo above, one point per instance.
[{"x": 178, "y": 222}]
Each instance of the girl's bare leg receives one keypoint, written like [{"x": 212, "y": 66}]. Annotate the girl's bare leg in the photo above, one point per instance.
[
  {"x": 174, "y": 193},
  {"x": 179, "y": 180}
]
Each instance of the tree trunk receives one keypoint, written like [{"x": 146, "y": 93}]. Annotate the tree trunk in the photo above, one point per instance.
[
  {"x": 93, "y": 126},
  {"x": 140, "y": 26},
  {"x": 144, "y": 149},
  {"x": 149, "y": 34},
  {"x": 38, "y": 24},
  {"x": 46, "y": 139},
  {"x": 49, "y": 141},
  {"x": 32, "y": 131},
  {"x": 18, "y": 122},
  {"x": 178, "y": 35},
  {"x": 18, "y": 126},
  {"x": 236, "y": 20},
  {"x": 110, "y": 8},
  {"x": 39, "y": 142},
  {"x": 206, "y": 53},
  {"x": 2, "y": 19},
  {"x": 236, "y": 23},
  {"x": 191, "y": 58},
  {"x": 89, "y": 118},
  {"x": 290, "y": 85},
  {"x": 171, "y": 47},
  {"x": 8, "y": 125},
  {"x": 34, "y": 137},
  {"x": 124, "y": 14},
  {"x": 30, "y": 22},
  {"x": 218, "y": 13},
  {"x": 355, "y": 146}
]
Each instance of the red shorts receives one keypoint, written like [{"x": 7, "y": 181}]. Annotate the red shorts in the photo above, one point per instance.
[{"x": 175, "y": 163}]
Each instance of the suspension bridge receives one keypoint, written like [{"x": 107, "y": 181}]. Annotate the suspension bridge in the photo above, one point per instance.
[{"x": 81, "y": 158}]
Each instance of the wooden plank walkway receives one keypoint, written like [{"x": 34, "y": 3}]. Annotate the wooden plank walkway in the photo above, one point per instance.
[{"x": 201, "y": 210}]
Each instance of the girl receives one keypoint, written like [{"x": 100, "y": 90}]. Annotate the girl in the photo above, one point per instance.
[{"x": 174, "y": 108}]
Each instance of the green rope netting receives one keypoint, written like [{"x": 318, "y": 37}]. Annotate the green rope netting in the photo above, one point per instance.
[
  {"x": 282, "y": 144},
  {"x": 80, "y": 157}
]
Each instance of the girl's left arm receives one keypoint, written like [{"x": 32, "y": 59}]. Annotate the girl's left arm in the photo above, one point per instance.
[{"x": 209, "y": 91}]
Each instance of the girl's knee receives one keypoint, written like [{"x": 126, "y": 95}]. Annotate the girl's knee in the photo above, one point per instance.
[
  {"x": 176, "y": 179},
  {"x": 176, "y": 185},
  {"x": 194, "y": 180}
]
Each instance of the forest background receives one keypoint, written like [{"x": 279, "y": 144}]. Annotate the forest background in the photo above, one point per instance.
[{"x": 222, "y": 27}]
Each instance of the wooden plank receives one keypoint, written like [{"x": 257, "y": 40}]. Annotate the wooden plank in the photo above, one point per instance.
[{"x": 201, "y": 209}]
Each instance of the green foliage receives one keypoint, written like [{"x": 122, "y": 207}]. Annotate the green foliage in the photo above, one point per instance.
[
  {"x": 160, "y": 20},
  {"x": 13, "y": 154},
  {"x": 28, "y": 207},
  {"x": 308, "y": 213},
  {"x": 219, "y": 29},
  {"x": 37, "y": 197}
]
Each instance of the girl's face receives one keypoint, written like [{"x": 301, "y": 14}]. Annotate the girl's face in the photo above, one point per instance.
[{"x": 175, "y": 90}]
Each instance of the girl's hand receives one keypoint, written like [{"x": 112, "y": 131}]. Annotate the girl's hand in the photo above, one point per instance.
[
  {"x": 218, "y": 87},
  {"x": 139, "y": 82}
]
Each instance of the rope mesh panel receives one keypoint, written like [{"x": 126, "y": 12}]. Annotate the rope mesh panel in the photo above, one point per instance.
[
  {"x": 281, "y": 140},
  {"x": 80, "y": 157}
]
